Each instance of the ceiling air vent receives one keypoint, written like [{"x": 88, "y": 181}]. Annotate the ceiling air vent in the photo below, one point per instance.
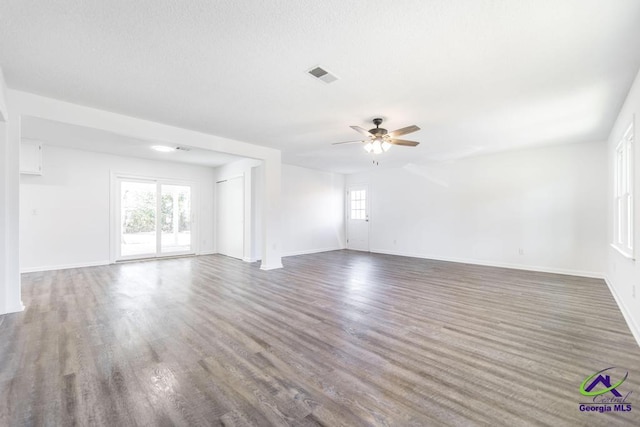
[{"x": 322, "y": 74}]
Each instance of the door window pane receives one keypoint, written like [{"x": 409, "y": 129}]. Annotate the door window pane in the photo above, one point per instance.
[
  {"x": 175, "y": 218},
  {"x": 358, "y": 204},
  {"x": 138, "y": 218}
]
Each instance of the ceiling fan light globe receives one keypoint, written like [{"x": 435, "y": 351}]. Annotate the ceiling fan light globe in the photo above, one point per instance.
[
  {"x": 368, "y": 147},
  {"x": 377, "y": 146},
  {"x": 386, "y": 146}
]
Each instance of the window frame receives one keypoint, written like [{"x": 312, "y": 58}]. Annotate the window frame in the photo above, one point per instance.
[
  {"x": 358, "y": 204},
  {"x": 623, "y": 195}
]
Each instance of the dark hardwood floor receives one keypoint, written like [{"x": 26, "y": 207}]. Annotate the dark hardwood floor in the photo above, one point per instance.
[{"x": 337, "y": 338}]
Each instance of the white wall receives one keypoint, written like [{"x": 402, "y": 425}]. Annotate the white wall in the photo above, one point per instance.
[
  {"x": 4, "y": 113},
  {"x": 10, "y": 296},
  {"x": 623, "y": 274},
  {"x": 550, "y": 202},
  {"x": 312, "y": 210},
  {"x": 312, "y": 206},
  {"x": 4, "y": 286},
  {"x": 257, "y": 196},
  {"x": 64, "y": 214}
]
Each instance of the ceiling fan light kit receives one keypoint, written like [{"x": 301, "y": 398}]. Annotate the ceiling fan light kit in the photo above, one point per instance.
[
  {"x": 377, "y": 146},
  {"x": 379, "y": 140}
]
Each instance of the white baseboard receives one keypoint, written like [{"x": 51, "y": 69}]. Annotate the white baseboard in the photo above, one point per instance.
[
  {"x": 633, "y": 326},
  {"x": 245, "y": 259},
  {"x": 581, "y": 273},
  {"x": 13, "y": 309},
  {"x": 310, "y": 251},
  {"x": 267, "y": 267},
  {"x": 64, "y": 266},
  {"x": 286, "y": 254}
]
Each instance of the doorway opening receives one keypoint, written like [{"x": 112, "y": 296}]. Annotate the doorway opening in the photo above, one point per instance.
[{"x": 230, "y": 217}]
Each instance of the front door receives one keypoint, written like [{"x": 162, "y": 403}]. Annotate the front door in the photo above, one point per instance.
[{"x": 358, "y": 218}]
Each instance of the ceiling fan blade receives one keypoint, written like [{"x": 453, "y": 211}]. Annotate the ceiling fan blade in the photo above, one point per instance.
[
  {"x": 402, "y": 142},
  {"x": 347, "y": 142},
  {"x": 403, "y": 131},
  {"x": 362, "y": 130}
]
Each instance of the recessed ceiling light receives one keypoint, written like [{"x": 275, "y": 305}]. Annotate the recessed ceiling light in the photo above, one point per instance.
[{"x": 163, "y": 148}]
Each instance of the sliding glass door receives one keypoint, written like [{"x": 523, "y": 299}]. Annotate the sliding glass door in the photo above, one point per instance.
[
  {"x": 175, "y": 218},
  {"x": 154, "y": 218},
  {"x": 138, "y": 206}
]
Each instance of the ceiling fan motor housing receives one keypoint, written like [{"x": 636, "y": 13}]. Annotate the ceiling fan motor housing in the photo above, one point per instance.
[{"x": 378, "y": 131}]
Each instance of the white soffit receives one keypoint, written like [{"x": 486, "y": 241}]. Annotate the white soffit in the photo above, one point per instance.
[{"x": 88, "y": 139}]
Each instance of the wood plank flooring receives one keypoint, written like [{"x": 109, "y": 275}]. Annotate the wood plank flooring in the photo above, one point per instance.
[{"x": 337, "y": 338}]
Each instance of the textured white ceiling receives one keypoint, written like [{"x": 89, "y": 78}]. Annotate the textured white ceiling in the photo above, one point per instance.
[{"x": 476, "y": 75}]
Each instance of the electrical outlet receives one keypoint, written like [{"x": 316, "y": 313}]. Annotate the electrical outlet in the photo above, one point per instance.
[{"x": 521, "y": 251}]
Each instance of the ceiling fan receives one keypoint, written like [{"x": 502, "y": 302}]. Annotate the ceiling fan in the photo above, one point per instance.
[{"x": 379, "y": 140}]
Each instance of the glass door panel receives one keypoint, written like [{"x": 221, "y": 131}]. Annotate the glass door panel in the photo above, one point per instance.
[
  {"x": 138, "y": 205},
  {"x": 175, "y": 218}
]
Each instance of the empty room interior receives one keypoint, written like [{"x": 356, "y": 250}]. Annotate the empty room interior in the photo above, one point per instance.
[{"x": 334, "y": 213}]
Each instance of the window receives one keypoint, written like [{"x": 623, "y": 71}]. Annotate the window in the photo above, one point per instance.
[
  {"x": 358, "y": 204},
  {"x": 623, "y": 193}
]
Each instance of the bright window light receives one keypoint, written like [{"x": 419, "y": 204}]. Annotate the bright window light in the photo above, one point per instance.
[
  {"x": 623, "y": 195},
  {"x": 358, "y": 205}
]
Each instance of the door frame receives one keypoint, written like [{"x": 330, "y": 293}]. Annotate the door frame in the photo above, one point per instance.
[
  {"x": 115, "y": 209},
  {"x": 244, "y": 210},
  {"x": 347, "y": 210}
]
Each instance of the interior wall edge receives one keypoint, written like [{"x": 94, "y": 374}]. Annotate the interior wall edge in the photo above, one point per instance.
[
  {"x": 626, "y": 313},
  {"x": 4, "y": 113}
]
